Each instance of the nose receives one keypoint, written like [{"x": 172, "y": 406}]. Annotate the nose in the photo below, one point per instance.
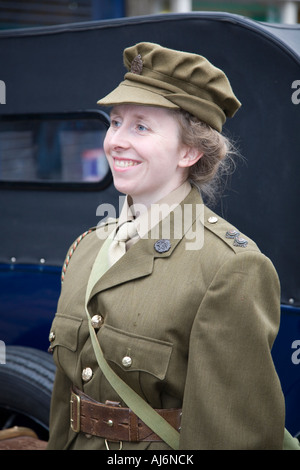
[{"x": 117, "y": 138}]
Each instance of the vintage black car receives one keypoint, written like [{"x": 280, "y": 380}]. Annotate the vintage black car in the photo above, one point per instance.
[{"x": 54, "y": 180}]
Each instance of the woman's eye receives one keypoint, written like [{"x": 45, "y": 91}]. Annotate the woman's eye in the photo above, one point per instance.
[
  {"x": 141, "y": 128},
  {"x": 115, "y": 123}
]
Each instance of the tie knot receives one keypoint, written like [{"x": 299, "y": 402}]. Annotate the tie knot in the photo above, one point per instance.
[{"x": 126, "y": 231}]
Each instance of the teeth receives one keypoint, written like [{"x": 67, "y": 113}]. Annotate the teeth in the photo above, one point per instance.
[{"x": 125, "y": 163}]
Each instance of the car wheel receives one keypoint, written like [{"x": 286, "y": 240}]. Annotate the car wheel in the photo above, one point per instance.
[{"x": 26, "y": 380}]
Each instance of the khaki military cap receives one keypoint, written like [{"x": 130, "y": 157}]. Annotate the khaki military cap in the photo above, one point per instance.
[{"x": 158, "y": 76}]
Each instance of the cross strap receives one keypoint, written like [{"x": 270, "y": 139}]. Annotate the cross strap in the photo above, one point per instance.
[{"x": 136, "y": 403}]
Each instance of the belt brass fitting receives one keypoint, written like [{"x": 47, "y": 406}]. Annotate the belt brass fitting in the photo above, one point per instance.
[{"x": 75, "y": 423}]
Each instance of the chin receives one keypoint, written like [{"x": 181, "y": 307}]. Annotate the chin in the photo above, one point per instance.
[{"x": 123, "y": 188}]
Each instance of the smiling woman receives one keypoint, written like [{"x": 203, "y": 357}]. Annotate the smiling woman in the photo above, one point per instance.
[{"x": 164, "y": 346}]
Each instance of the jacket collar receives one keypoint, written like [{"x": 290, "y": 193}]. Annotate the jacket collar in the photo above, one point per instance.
[{"x": 158, "y": 211}]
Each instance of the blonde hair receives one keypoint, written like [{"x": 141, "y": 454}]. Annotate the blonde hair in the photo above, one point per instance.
[{"x": 211, "y": 172}]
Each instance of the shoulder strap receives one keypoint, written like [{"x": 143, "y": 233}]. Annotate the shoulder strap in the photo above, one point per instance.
[{"x": 139, "y": 406}]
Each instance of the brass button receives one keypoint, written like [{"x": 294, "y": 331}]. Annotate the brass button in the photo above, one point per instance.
[
  {"x": 51, "y": 336},
  {"x": 97, "y": 321},
  {"x": 212, "y": 219},
  {"x": 87, "y": 374},
  {"x": 126, "y": 361}
]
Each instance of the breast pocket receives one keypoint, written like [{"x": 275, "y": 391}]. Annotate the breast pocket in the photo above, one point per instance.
[
  {"x": 64, "y": 338},
  {"x": 142, "y": 362}
]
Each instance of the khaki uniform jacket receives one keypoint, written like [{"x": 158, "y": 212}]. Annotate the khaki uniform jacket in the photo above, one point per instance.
[{"x": 198, "y": 325}]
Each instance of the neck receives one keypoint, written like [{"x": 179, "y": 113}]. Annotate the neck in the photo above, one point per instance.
[{"x": 141, "y": 203}]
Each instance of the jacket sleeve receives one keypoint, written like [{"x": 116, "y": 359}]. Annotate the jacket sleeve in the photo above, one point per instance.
[
  {"x": 233, "y": 397},
  {"x": 60, "y": 433}
]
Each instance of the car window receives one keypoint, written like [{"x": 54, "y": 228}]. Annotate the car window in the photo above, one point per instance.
[{"x": 64, "y": 148}]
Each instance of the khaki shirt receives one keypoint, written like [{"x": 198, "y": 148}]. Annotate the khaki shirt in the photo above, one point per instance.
[{"x": 198, "y": 321}]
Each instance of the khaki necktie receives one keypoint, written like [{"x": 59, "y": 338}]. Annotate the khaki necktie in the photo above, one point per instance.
[{"x": 118, "y": 245}]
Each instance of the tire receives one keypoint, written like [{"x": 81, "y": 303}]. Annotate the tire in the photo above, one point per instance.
[{"x": 26, "y": 382}]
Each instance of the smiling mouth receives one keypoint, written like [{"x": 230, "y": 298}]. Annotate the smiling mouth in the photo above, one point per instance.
[{"x": 125, "y": 163}]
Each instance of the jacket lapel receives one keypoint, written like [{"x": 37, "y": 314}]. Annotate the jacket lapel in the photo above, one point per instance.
[{"x": 137, "y": 262}]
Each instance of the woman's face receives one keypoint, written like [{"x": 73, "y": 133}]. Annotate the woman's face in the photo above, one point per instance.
[{"x": 144, "y": 151}]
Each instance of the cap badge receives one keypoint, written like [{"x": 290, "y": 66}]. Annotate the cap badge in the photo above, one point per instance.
[
  {"x": 162, "y": 246},
  {"x": 137, "y": 65}
]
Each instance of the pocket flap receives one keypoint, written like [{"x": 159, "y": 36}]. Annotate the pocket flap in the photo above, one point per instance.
[
  {"x": 146, "y": 354},
  {"x": 64, "y": 331}
]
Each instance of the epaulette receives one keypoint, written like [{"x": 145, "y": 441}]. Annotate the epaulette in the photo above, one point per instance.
[
  {"x": 103, "y": 223},
  {"x": 71, "y": 251},
  {"x": 227, "y": 232}
]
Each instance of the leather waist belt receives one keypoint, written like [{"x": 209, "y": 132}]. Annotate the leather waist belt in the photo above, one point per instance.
[{"x": 113, "y": 422}]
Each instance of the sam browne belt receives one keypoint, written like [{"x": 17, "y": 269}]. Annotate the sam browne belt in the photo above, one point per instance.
[{"x": 113, "y": 422}]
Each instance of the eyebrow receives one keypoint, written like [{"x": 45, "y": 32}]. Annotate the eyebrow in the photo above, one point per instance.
[{"x": 142, "y": 116}]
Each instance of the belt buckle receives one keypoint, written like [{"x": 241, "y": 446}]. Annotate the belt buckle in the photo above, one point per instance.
[
  {"x": 75, "y": 399},
  {"x": 107, "y": 446}
]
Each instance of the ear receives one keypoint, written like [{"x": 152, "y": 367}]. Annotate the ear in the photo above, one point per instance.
[{"x": 190, "y": 157}]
